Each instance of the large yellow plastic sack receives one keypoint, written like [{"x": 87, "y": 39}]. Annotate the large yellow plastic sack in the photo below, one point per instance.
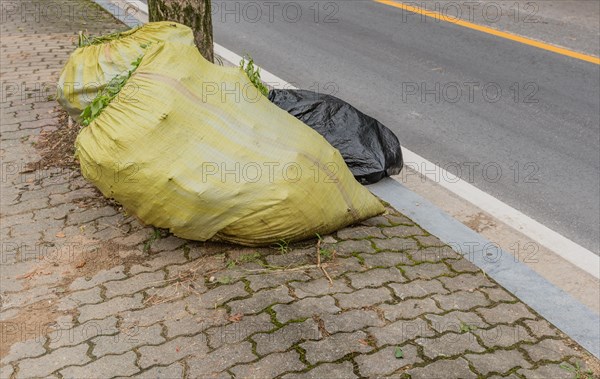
[
  {"x": 91, "y": 67},
  {"x": 201, "y": 152}
]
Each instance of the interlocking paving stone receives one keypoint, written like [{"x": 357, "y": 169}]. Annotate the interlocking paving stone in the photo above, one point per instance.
[
  {"x": 376, "y": 277},
  {"x": 318, "y": 287},
  {"x": 452, "y": 321},
  {"x": 346, "y": 248},
  {"x": 433, "y": 254},
  {"x": 550, "y": 350},
  {"x": 172, "y": 351},
  {"x": 134, "y": 283},
  {"x": 110, "y": 307},
  {"x": 380, "y": 221},
  {"x": 6, "y": 372},
  {"x": 425, "y": 271},
  {"x": 540, "y": 328},
  {"x": 449, "y": 344},
  {"x": 116, "y": 365},
  {"x": 463, "y": 265},
  {"x": 465, "y": 282},
  {"x": 23, "y": 349},
  {"x": 127, "y": 340},
  {"x": 270, "y": 366},
  {"x": 114, "y": 273},
  {"x": 396, "y": 244},
  {"x": 363, "y": 298},
  {"x": 385, "y": 362},
  {"x": 219, "y": 360},
  {"x": 499, "y": 361},
  {"x": 326, "y": 370},
  {"x": 401, "y": 331},
  {"x": 550, "y": 371},
  {"x": 174, "y": 371},
  {"x": 26, "y": 297},
  {"x": 88, "y": 215},
  {"x": 305, "y": 308},
  {"x": 133, "y": 239},
  {"x": 159, "y": 261},
  {"x": 443, "y": 369},
  {"x": 461, "y": 300},
  {"x": 418, "y": 288},
  {"x": 283, "y": 338},
  {"x": 69, "y": 335},
  {"x": 430, "y": 240},
  {"x": 261, "y": 300},
  {"x": 167, "y": 244},
  {"x": 409, "y": 309},
  {"x": 218, "y": 296},
  {"x": 203, "y": 320},
  {"x": 341, "y": 266},
  {"x": 275, "y": 279},
  {"x": 498, "y": 294},
  {"x": 359, "y": 232},
  {"x": 47, "y": 364},
  {"x": 403, "y": 231},
  {"x": 506, "y": 313},
  {"x": 293, "y": 258},
  {"x": 76, "y": 299},
  {"x": 396, "y": 218},
  {"x": 237, "y": 331},
  {"x": 152, "y": 314},
  {"x": 351, "y": 320},
  {"x": 503, "y": 335},
  {"x": 336, "y": 346}
]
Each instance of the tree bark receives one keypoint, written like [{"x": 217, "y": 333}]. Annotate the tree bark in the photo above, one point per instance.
[{"x": 194, "y": 13}]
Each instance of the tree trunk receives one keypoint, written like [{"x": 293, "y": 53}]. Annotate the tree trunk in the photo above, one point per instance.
[{"x": 194, "y": 13}]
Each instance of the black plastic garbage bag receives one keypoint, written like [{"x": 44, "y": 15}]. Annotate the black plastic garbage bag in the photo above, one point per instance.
[{"x": 370, "y": 150}]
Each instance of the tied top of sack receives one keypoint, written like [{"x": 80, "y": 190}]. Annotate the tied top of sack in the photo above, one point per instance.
[{"x": 97, "y": 60}]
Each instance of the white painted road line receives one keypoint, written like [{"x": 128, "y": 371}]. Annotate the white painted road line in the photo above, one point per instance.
[{"x": 562, "y": 246}]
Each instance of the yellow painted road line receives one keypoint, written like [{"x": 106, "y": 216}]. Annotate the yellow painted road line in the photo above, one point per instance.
[{"x": 485, "y": 29}]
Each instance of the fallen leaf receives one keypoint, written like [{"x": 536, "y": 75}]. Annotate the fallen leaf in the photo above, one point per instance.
[
  {"x": 60, "y": 235},
  {"x": 363, "y": 341},
  {"x": 80, "y": 264},
  {"x": 236, "y": 317},
  {"x": 398, "y": 353}
]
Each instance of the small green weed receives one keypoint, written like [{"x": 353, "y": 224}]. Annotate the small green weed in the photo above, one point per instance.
[
  {"x": 88, "y": 40},
  {"x": 577, "y": 371},
  {"x": 156, "y": 235},
  {"x": 253, "y": 73},
  {"x": 464, "y": 327},
  {"x": 283, "y": 247}
]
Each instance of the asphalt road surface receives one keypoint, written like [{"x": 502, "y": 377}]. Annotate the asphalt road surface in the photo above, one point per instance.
[{"x": 518, "y": 122}]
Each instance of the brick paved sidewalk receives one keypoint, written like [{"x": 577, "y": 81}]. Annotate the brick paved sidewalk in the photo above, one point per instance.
[{"x": 89, "y": 292}]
